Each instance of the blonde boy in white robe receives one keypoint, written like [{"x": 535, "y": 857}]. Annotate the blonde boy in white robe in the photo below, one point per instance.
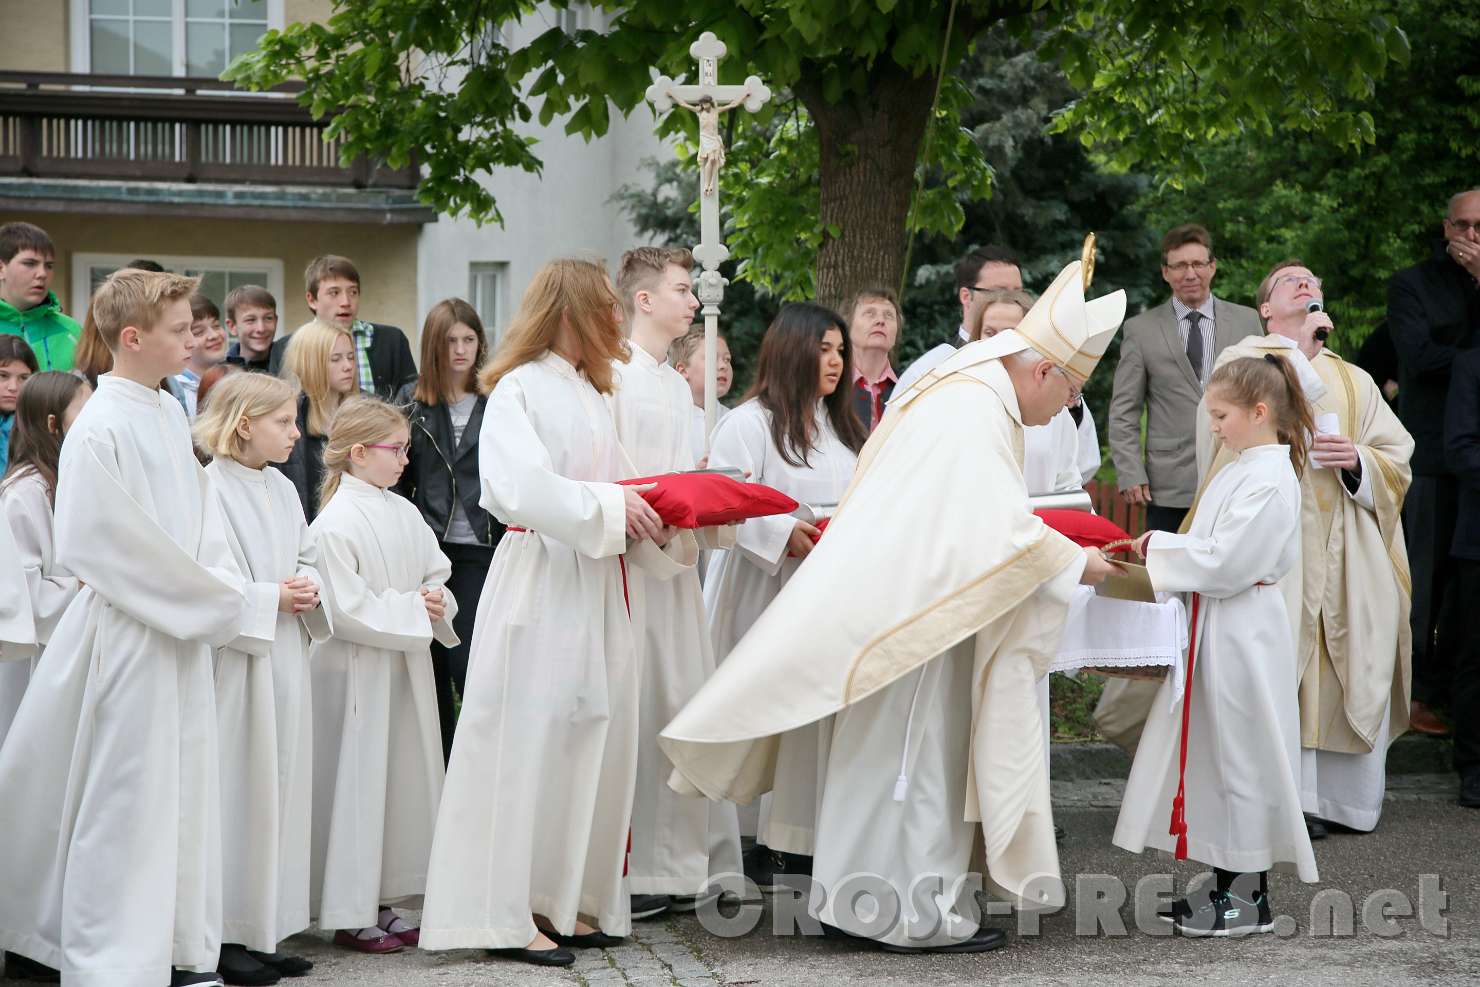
[
  {"x": 677, "y": 842},
  {"x": 378, "y": 769},
  {"x": 111, "y": 812},
  {"x": 263, "y": 707},
  {"x": 1221, "y": 755}
]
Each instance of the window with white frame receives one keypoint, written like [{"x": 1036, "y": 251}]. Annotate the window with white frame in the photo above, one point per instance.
[
  {"x": 167, "y": 37},
  {"x": 218, "y": 275},
  {"x": 487, "y": 287}
]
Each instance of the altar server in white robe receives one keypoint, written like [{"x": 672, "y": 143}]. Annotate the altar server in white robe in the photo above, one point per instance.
[
  {"x": 797, "y": 432},
  {"x": 930, "y": 671},
  {"x": 1349, "y": 598},
  {"x": 1237, "y": 806},
  {"x": 18, "y": 637},
  {"x": 533, "y": 828},
  {"x": 677, "y": 842},
  {"x": 48, "y": 405},
  {"x": 111, "y": 815},
  {"x": 686, "y": 355},
  {"x": 377, "y": 768},
  {"x": 264, "y": 711}
]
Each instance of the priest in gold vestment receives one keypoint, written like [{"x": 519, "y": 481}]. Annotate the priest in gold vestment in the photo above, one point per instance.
[{"x": 936, "y": 768}]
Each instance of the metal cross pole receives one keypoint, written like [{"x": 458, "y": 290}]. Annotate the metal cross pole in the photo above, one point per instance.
[{"x": 708, "y": 99}]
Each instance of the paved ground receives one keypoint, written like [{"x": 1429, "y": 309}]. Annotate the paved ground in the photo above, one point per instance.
[{"x": 1423, "y": 833}]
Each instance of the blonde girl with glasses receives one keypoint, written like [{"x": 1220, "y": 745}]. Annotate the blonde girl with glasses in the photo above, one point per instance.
[{"x": 377, "y": 744}]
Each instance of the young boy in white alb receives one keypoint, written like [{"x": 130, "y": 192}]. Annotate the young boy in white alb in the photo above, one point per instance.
[{"x": 111, "y": 812}]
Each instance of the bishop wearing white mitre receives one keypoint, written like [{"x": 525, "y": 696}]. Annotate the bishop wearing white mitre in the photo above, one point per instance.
[{"x": 931, "y": 673}]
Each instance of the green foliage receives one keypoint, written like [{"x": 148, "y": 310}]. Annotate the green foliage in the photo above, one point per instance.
[
  {"x": 1159, "y": 81},
  {"x": 1354, "y": 215},
  {"x": 431, "y": 80}
]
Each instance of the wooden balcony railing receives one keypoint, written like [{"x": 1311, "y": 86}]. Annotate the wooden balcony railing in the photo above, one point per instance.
[{"x": 153, "y": 128}]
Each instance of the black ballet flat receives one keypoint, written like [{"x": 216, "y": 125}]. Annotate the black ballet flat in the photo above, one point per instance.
[
  {"x": 536, "y": 957},
  {"x": 586, "y": 940},
  {"x": 18, "y": 967}
]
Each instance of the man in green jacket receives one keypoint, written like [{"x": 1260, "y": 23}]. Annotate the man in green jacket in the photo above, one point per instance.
[{"x": 28, "y": 307}]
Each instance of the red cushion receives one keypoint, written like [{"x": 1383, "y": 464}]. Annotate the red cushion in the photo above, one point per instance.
[
  {"x": 1083, "y": 528},
  {"x": 699, "y": 500}
]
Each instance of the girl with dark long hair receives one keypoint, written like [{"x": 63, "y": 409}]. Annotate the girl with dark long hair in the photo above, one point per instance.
[
  {"x": 47, "y": 406},
  {"x": 796, "y": 431}
]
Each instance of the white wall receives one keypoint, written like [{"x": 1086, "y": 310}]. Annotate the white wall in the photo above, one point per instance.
[{"x": 566, "y": 210}]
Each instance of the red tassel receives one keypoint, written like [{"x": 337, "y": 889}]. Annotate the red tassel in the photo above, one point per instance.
[{"x": 1179, "y": 807}]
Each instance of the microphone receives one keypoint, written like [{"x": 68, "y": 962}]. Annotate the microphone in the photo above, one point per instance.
[{"x": 1314, "y": 305}]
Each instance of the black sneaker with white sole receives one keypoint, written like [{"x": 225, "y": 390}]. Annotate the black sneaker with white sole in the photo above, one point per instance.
[{"x": 1225, "y": 915}]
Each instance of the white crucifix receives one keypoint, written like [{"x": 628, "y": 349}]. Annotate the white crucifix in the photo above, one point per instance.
[{"x": 709, "y": 99}]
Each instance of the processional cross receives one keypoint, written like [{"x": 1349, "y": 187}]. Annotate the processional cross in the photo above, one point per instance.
[{"x": 709, "y": 99}]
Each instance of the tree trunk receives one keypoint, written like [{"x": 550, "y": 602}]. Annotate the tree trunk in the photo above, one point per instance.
[{"x": 869, "y": 148}]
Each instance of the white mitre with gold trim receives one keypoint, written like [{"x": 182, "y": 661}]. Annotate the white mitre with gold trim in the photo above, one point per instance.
[{"x": 1062, "y": 327}]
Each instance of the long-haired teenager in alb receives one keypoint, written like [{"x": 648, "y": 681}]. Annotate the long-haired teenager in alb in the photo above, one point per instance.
[
  {"x": 48, "y": 405},
  {"x": 1217, "y": 774},
  {"x": 533, "y": 828},
  {"x": 377, "y": 746},
  {"x": 796, "y": 431},
  {"x": 263, "y": 709}
]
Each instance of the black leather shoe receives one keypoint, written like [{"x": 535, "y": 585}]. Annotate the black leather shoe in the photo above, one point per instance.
[
  {"x": 586, "y": 940},
  {"x": 287, "y": 965},
  {"x": 536, "y": 957},
  {"x": 18, "y": 967},
  {"x": 648, "y": 905},
  {"x": 985, "y": 939},
  {"x": 1315, "y": 828},
  {"x": 1469, "y": 791},
  {"x": 239, "y": 968}
]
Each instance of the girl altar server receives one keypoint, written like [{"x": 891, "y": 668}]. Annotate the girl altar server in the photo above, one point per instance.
[
  {"x": 1235, "y": 732},
  {"x": 46, "y": 408},
  {"x": 796, "y": 432},
  {"x": 532, "y": 833},
  {"x": 263, "y": 709},
  {"x": 378, "y": 767}
]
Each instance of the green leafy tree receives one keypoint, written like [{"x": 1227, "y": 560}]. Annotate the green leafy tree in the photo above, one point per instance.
[
  {"x": 1354, "y": 215},
  {"x": 430, "y": 78}
]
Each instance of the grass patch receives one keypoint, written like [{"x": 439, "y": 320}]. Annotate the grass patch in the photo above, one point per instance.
[{"x": 1071, "y": 707}]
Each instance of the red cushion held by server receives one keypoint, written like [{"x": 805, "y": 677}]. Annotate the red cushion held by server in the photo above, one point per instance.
[
  {"x": 699, "y": 500},
  {"x": 1083, "y": 528}
]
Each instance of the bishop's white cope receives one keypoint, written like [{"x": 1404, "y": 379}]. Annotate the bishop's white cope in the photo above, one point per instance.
[{"x": 968, "y": 566}]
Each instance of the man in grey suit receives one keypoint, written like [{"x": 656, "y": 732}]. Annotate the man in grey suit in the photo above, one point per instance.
[{"x": 1166, "y": 354}]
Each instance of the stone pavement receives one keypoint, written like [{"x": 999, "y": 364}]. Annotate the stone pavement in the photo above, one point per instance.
[{"x": 1428, "y": 940}]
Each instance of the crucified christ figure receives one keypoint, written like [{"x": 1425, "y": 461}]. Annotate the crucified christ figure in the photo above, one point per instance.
[{"x": 711, "y": 146}]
